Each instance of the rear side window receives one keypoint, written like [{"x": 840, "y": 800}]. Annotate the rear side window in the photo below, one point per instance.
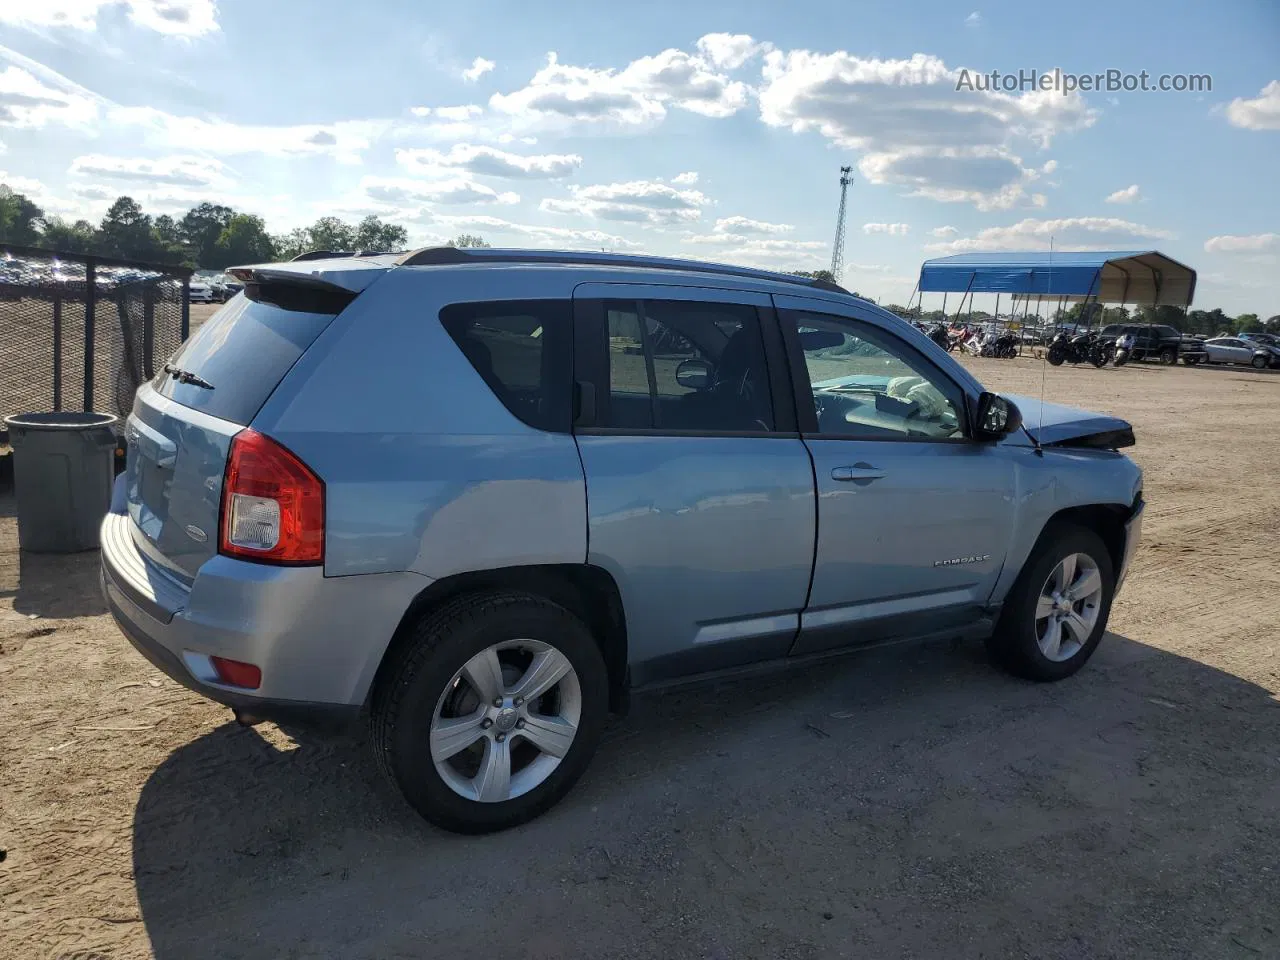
[
  {"x": 230, "y": 366},
  {"x": 521, "y": 349}
]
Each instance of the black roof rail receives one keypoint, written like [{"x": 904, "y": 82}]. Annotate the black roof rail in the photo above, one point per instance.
[
  {"x": 317, "y": 255},
  {"x": 332, "y": 254},
  {"x": 449, "y": 256}
]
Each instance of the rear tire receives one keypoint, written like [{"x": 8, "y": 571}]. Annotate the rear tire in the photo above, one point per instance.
[
  {"x": 1169, "y": 356},
  {"x": 409, "y": 713},
  {"x": 1021, "y": 636}
]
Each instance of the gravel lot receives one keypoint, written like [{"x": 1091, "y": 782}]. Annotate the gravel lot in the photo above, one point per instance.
[{"x": 905, "y": 802}]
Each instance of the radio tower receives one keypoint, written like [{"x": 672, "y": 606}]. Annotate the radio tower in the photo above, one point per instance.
[{"x": 837, "y": 248}]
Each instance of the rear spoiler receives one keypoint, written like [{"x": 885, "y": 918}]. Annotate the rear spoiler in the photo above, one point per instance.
[{"x": 293, "y": 290}]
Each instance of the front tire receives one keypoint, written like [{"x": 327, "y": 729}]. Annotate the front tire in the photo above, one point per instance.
[
  {"x": 1056, "y": 356},
  {"x": 1056, "y": 613},
  {"x": 1259, "y": 363},
  {"x": 491, "y": 711}
]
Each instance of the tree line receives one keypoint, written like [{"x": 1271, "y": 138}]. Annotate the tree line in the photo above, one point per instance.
[
  {"x": 209, "y": 236},
  {"x": 213, "y": 236}
]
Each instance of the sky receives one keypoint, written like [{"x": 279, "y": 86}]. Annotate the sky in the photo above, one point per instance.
[{"x": 706, "y": 129}]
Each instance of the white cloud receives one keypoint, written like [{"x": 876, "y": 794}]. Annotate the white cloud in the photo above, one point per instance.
[
  {"x": 638, "y": 201},
  {"x": 973, "y": 20},
  {"x": 454, "y": 190},
  {"x": 1049, "y": 167},
  {"x": 943, "y": 232},
  {"x": 688, "y": 178},
  {"x": 1260, "y": 113},
  {"x": 1254, "y": 243},
  {"x": 453, "y": 114},
  {"x": 1128, "y": 195},
  {"x": 1039, "y": 200},
  {"x": 188, "y": 18},
  {"x": 894, "y": 229},
  {"x": 27, "y": 101},
  {"x": 490, "y": 162},
  {"x": 346, "y": 140},
  {"x": 479, "y": 67},
  {"x": 778, "y": 254},
  {"x": 908, "y": 117},
  {"x": 729, "y": 51},
  {"x": 1070, "y": 233},
  {"x": 177, "y": 171},
  {"x": 742, "y": 226},
  {"x": 541, "y": 235},
  {"x": 635, "y": 96}
]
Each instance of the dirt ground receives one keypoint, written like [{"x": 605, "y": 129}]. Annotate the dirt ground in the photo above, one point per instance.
[{"x": 905, "y": 802}]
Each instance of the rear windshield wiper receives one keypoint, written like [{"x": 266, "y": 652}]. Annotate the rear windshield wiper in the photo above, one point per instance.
[{"x": 185, "y": 376}]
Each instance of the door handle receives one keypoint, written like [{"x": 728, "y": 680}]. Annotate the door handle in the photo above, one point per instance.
[{"x": 859, "y": 473}]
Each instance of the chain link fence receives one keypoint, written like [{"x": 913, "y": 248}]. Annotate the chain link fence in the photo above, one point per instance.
[{"x": 82, "y": 332}]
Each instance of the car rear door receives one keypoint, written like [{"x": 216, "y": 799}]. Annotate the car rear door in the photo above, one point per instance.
[
  {"x": 914, "y": 519},
  {"x": 700, "y": 494}
]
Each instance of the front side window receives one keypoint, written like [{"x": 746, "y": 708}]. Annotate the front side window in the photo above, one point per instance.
[
  {"x": 520, "y": 348},
  {"x": 677, "y": 365},
  {"x": 866, "y": 384}
]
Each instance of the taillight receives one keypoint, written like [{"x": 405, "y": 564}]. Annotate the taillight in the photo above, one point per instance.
[{"x": 272, "y": 504}]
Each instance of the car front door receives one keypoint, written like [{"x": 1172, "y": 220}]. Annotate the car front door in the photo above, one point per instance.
[
  {"x": 914, "y": 518},
  {"x": 700, "y": 494}
]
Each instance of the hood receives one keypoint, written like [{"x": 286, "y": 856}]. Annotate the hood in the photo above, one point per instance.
[{"x": 1057, "y": 425}]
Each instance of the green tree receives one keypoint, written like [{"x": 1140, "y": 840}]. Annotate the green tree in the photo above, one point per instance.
[
  {"x": 20, "y": 218},
  {"x": 1248, "y": 323},
  {"x": 815, "y": 275},
  {"x": 373, "y": 234},
  {"x": 330, "y": 233},
  {"x": 78, "y": 237},
  {"x": 1273, "y": 324},
  {"x": 200, "y": 228},
  {"x": 167, "y": 237},
  {"x": 289, "y": 245},
  {"x": 125, "y": 231},
  {"x": 243, "y": 240},
  {"x": 464, "y": 240}
]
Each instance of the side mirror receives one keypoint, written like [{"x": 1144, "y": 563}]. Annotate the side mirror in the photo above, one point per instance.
[
  {"x": 995, "y": 417},
  {"x": 694, "y": 374}
]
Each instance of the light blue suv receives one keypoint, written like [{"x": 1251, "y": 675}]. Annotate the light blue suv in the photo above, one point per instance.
[{"x": 481, "y": 495}]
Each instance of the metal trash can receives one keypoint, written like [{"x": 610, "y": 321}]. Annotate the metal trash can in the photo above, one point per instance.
[{"x": 63, "y": 469}]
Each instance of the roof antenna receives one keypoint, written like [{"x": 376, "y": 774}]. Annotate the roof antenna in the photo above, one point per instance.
[{"x": 1044, "y": 362}]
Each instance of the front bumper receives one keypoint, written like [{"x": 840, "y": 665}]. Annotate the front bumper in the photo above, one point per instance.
[
  {"x": 318, "y": 640},
  {"x": 1132, "y": 534}
]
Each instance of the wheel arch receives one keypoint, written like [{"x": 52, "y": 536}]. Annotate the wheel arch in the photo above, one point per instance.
[
  {"x": 1107, "y": 520},
  {"x": 587, "y": 591}
]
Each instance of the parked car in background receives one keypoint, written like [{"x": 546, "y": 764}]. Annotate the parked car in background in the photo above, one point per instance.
[
  {"x": 362, "y": 488},
  {"x": 1235, "y": 350},
  {"x": 200, "y": 291},
  {"x": 1264, "y": 338},
  {"x": 1157, "y": 341}
]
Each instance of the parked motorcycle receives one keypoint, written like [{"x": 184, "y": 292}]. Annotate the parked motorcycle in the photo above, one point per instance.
[
  {"x": 1123, "y": 350},
  {"x": 940, "y": 336},
  {"x": 1081, "y": 348}
]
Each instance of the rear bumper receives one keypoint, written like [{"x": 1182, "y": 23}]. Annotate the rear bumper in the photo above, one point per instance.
[
  {"x": 318, "y": 716},
  {"x": 318, "y": 640}
]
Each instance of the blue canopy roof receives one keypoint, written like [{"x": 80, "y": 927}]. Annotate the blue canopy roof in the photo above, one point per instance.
[{"x": 1112, "y": 276}]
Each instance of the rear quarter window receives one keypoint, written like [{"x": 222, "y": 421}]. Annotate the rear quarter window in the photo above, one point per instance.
[{"x": 521, "y": 349}]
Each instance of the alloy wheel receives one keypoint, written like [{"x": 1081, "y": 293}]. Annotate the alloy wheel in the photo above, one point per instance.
[
  {"x": 1068, "y": 608},
  {"x": 506, "y": 720}
]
